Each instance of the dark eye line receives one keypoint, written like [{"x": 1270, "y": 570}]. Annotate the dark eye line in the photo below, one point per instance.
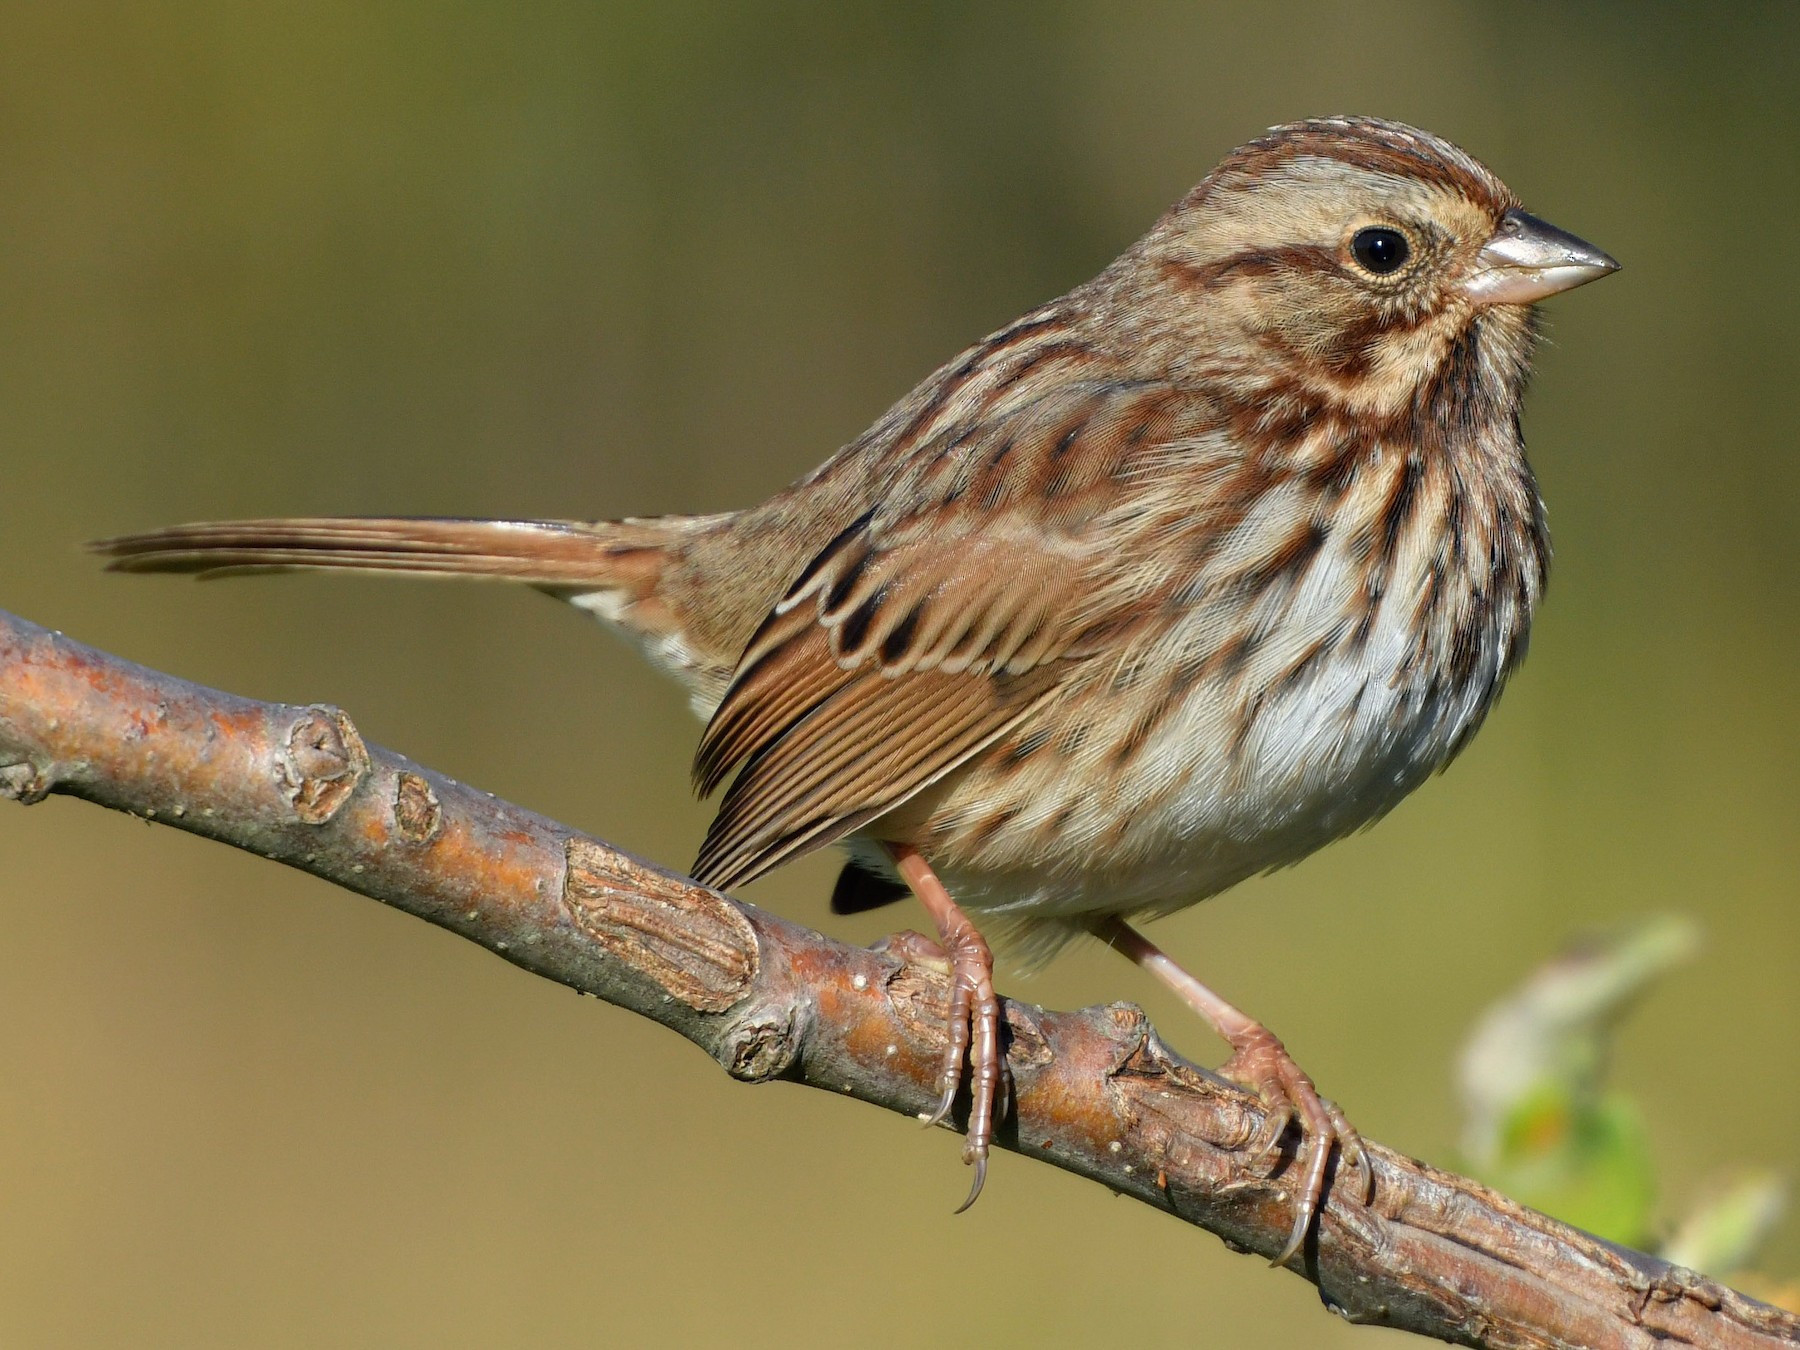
[{"x": 1251, "y": 262}]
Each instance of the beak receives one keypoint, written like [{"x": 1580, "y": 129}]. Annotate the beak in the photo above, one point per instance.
[{"x": 1528, "y": 259}]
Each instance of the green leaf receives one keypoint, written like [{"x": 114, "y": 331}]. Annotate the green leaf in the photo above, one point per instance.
[{"x": 1587, "y": 1162}]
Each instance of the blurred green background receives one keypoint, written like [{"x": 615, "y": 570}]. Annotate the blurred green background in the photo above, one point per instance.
[{"x": 594, "y": 258}]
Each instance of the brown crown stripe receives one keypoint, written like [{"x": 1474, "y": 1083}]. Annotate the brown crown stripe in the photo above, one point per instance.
[{"x": 1365, "y": 144}]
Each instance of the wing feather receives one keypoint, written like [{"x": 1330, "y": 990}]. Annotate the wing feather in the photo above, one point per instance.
[{"x": 934, "y": 625}]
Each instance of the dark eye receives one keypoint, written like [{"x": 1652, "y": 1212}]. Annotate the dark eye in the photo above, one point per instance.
[{"x": 1380, "y": 249}]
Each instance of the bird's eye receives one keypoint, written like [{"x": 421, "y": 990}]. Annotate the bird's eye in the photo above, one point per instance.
[{"x": 1380, "y": 250}]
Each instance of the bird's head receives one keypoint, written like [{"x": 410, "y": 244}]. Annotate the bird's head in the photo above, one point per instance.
[{"x": 1352, "y": 261}]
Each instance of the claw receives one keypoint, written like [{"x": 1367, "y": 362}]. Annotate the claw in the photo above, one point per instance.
[
  {"x": 1267, "y": 1144},
  {"x": 939, "y": 1116},
  {"x": 1004, "y": 1106},
  {"x": 1296, "y": 1240},
  {"x": 980, "y": 1177},
  {"x": 1361, "y": 1163}
]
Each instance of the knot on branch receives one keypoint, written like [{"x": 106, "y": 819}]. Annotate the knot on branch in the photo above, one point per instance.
[
  {"x": 1672, "y": 1285},
  {"x": 694, "y": 943},
  {"x": 321, "y": 762},
  {"x": 417, "y": 813},
  {"x": 761, "y": 1048},
  {"x": 26, "y": 783}
]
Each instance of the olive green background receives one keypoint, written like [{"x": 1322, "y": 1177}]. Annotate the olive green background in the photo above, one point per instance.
[{"x": 592, "y": 259}]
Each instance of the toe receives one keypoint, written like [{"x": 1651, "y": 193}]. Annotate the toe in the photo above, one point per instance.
[{"x": 914, "y": 949}]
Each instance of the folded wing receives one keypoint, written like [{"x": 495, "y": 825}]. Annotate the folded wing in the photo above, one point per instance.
[{"x": 947, "y": 616}]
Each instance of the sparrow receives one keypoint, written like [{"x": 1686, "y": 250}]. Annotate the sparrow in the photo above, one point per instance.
[{"x": 1171, "y": 581}]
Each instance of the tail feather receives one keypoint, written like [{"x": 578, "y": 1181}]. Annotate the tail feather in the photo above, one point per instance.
[
  {"x": 623, "y": 555},
  {"x": 615, "y": 570}
]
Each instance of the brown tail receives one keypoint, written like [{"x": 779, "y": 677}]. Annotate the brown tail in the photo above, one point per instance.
[
  {"x": 613, "y": 569},
  {"x": 617, "y": 570},
  {"x": 622, "y": 555}
]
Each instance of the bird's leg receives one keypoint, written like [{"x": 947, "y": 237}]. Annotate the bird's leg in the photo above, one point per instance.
[
  {"x": 974, "y": 1015},
  {"x": 1261, "y": 1063}
]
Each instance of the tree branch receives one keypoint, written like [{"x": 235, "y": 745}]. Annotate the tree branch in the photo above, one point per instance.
[{"x": 1098, "y": 1094}]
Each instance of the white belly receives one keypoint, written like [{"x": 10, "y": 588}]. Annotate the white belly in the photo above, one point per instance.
[{"x": 1251, "y": 770}]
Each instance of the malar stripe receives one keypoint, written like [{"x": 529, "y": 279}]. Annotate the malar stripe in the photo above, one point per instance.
[{"x": 1354, "y": 350}]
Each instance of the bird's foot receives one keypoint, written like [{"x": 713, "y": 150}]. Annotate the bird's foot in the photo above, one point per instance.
[
  {"x": 1260, "y": 1063},
  {"x": 973, "y": 1016}
]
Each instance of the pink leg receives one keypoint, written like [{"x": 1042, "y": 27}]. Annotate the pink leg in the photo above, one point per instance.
[
  {"x": 974, "y": 1013},
  {"x": 1261, "y": 1063}
]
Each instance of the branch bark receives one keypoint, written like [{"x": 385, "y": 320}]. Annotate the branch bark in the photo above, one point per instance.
[{"x": 1097, "y": 1092}]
